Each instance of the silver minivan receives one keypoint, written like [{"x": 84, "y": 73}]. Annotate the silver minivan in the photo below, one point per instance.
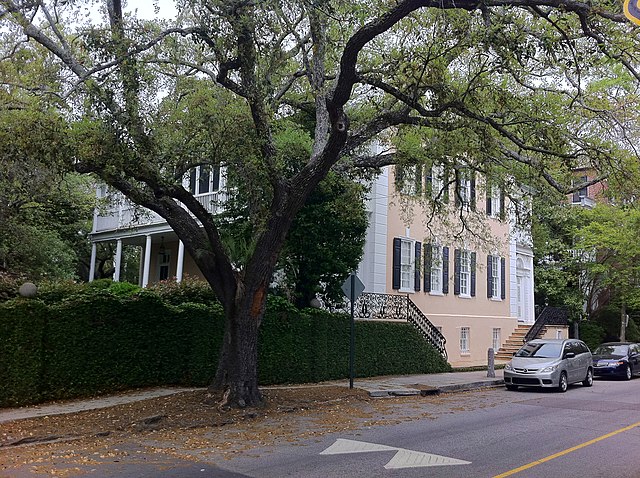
[{"x": 552, "y": 363}]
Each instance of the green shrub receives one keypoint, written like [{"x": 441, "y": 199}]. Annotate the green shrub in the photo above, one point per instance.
[
  {"x": 313, "y": 345},
  {"x": 189, "y": 290},
  {"x": 51, "y": 292},
  {"x": 99, "y": 284},
  {"x": 124, "y": 289},
  {"x": 9, "y": 285},
  {"x": 108, "y": 337},
  {"x": 22, "y": 331},
  {"x": 591, "y": 334},
  {"x": 632, "y": 332}
]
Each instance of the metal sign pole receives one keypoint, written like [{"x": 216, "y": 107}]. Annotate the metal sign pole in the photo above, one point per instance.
[
  {"x": 352, "y": 287},
  {"x": 352, "y": 337}
]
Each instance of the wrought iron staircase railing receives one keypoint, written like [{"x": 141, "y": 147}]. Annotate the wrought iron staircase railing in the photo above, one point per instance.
[
  {"x": 547, "y": 316},
  {"x": 399, "y": 307}
]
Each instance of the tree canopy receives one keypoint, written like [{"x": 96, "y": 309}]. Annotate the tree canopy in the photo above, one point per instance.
[{"x": 518, "y": 90}]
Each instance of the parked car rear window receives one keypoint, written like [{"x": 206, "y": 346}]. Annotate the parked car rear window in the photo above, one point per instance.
[
  {"x": 615, "y": 350},
  {"x": 540, "y": 350}
]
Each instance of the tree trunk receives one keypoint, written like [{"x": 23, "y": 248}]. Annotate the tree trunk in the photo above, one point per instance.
[
  {"x": 623, "y": 323},
  {"x": 236, "y": 381}
]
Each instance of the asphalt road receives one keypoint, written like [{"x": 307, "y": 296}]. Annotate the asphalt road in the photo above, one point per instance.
[{"x": 586, "y": 432}]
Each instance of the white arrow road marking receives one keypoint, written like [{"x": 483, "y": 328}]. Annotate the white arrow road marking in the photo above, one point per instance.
[
  {"x": 343, "y": 445},
  {"x": 415, "y": 459},
  {"x": 402, "y": 459}
]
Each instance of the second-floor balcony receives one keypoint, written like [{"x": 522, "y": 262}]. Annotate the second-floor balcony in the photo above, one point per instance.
[
  {"x": 584, "y": 201},
  {"x": 122, "y": 214}
]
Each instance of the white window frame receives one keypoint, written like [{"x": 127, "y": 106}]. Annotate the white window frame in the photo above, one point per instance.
[
  {"x": 494, "y": 197},
  {"x": 436, "y": 269},
  {"x": 465, "y": 273},
  {"x": 496, "y": 279},
  {"x": 407, "y": 265},
  {"x": 410, "y": 180},
  {"x": 496, "y": 340},
  {"x": 195, "y": 178},
  {"x": 465, "y": 340},
  {"x": 581, "y": 193},
  {"x": 437, "y": 180},
  {"x": 464, "y": 189}
]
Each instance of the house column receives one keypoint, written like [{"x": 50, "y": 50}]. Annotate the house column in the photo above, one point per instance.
[
  {"x": 92, "y": 265},
  {"x": 147, "y": 261},
  {"x": 180, "y": 264},
  {"x": 118, "y": 261}
]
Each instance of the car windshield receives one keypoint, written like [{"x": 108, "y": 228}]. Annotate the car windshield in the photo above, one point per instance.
[
  {"x": 612, "y": 349},
  {"x": 540, "y": 350}
]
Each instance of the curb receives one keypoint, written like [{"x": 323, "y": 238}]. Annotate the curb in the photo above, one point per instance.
[
  {"x": 472, "y": 386},
  {"x": 423, "y": 392}
]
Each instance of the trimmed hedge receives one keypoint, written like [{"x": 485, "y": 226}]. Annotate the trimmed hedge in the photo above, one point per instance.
[{"x": 105, "y": 339}]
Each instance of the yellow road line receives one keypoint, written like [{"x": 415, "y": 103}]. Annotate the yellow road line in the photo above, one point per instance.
[{"x": 566, "y": 452}]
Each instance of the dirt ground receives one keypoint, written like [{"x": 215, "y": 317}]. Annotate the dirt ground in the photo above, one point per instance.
[{"x": 184, "y": 426}]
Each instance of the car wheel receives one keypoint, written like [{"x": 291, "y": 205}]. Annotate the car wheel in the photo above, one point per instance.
[
  {"x": 588, "y": 381},
  {"x": 511, "y": 387},
  {"x": 563, "y": 384},
  {"x": 628, "y": 373}
]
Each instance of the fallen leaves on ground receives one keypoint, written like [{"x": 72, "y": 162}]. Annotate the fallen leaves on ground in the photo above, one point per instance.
[{"x": 185, "y": 426}]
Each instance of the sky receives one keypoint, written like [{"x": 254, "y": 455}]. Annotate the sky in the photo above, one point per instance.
[{"x": 145, "y": 8}]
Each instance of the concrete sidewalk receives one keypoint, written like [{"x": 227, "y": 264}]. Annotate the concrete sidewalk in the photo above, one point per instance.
[
  {"x": 73, "y": 406},
  {"x": 390, "y": 386},
  {"x": 428, "y": 384}
]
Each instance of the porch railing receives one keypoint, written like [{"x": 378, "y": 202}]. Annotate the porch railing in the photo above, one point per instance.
[
  {"x": 399, "y": 307},
  {"x": 123, "y": 214}
]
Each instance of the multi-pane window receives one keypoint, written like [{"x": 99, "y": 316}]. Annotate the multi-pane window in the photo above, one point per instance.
[
  {"x": 465, "y": 273},
  {"x": 496, "y": 280},
  {"x": 464, "y": 283},
  {"x": 436, "y": 269},
  {"x": 406, "y": 264},
  {"x": 495, "y": 339},
  {"x": 494, "y": 202},
  {"x": 407, "y": 270},
  {"x": 409, "y": 179},
  {"x": 164, "y": 259},
  {"x": 494, "y": 277},
  {"x": 582, "y": 192},
  {"x": 437, "y": 182},
  {"x": 464, "y": 340},
  {"x": 464, "y": 190},
  {"x": 204, "y": 179}
]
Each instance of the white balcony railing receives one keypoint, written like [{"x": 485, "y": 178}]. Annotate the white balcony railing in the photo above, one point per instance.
[
  {"x": 124, "y": 215},
  {"x": 585, "y": 202}
]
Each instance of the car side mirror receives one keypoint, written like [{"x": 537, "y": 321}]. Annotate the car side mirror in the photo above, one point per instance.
[{"x": 569, "y": 355}]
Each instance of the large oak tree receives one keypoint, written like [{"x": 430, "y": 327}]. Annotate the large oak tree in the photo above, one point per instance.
[{"x": 514, "y": 89}]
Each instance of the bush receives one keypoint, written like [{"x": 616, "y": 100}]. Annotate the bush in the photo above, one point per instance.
[
  {"x": 110, "y": 337},
  {"x": 313, "y": 345},
  {"x": 22, "y": 331},
  {"x": 591, "y": 334},
  {"x": 189, "y": 290},
  {"x": 9, "y": 285},
  {"x": 124, "y": 289},
  {"x": 52, "y": 292}
]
